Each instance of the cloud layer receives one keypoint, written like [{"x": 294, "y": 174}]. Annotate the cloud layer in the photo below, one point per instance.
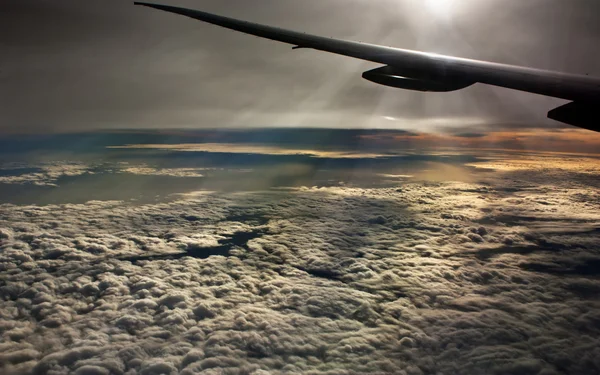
[{"x": 497, "y": 275}]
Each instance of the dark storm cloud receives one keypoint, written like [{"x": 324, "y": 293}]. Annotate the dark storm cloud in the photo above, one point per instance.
[
  {"x": 444, "y": 277},
  {"x": 80, "y": 65},
  {"x": 470, "y": 135}
]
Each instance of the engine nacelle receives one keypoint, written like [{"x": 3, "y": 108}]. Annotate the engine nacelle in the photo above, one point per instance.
[
  {"x": 581, "y": 114},
  {"x": 388, "y": 77}
]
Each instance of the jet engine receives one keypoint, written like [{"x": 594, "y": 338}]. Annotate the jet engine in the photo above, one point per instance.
[
  {"x": 388, "y": 76},
  {"x": 582, "y": 114}
]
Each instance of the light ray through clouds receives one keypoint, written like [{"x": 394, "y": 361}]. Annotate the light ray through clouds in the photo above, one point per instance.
[{"x": 185, "y": 74}]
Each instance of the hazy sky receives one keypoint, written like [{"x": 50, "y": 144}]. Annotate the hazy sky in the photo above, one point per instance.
[{"x": 81, "y": 65}]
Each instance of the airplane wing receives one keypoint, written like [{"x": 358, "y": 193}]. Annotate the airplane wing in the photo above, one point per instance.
[{"x": 415, "y": 70}]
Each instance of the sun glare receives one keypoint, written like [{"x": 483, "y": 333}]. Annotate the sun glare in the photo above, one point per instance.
[{"x": 440, "y": 7}]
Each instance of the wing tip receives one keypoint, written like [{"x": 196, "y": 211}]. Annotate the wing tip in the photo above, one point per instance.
[
  {"x": 152, "y": 5},
  {"x": 166, "y": 8}
]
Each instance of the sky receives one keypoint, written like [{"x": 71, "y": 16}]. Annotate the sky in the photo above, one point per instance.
[{"x": 69, "y": 65}]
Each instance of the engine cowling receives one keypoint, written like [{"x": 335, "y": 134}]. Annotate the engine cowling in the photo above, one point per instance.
[
  {"x": 581, "y": 114},
  {"x": 387, "y": 76}
]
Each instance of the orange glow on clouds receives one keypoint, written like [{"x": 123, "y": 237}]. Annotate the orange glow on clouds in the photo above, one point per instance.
[{"x": 568, "y": 140}]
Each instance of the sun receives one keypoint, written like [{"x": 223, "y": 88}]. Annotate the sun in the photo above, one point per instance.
[{"x": 440, "y": 7}]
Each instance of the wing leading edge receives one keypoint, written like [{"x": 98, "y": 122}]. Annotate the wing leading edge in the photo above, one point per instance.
[{"x": 422, "y": 71}]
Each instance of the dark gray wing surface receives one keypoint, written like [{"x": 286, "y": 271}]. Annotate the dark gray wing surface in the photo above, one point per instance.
[{"x": 422, "y": 71}]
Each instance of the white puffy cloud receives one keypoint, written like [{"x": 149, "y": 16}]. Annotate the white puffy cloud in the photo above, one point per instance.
[
  {"x": 45, "y": 174},
  {"x": 175, "y": 172}
]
